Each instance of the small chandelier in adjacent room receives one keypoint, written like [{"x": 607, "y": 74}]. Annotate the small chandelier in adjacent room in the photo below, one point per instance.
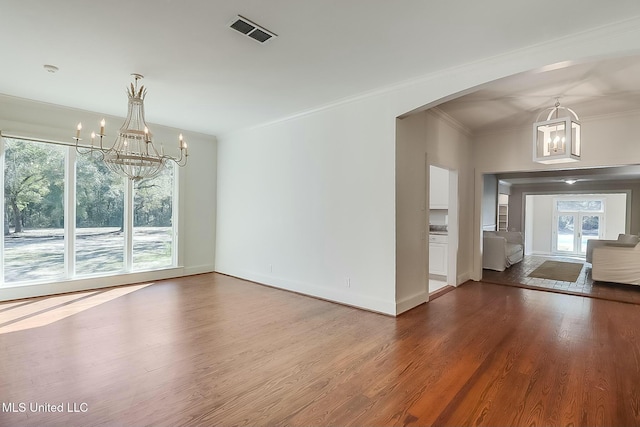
[
  {"x": 133, "y": 154},
  {"x": 557, "y": 139}
]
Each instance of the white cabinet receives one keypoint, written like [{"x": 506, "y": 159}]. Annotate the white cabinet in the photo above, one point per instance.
[
  {"x": 438, "y": 245},
  {"x": 438, "y": 188}
]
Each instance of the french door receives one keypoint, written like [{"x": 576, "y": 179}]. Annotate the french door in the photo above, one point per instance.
[{"x": 574, "y": 229}]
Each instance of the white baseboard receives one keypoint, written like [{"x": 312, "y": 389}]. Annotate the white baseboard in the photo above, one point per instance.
[
  {"x": 410, "y": 302},
  {"x": 199, "y": 269},
  {"x": 463, "y": 278},
  {"x": 346, "y": 296}
]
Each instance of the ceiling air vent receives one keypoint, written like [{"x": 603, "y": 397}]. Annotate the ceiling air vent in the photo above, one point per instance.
[{"x": 251, "y": 29}]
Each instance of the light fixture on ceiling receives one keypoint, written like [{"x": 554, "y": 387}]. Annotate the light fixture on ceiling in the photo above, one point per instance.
[
  {"x": 133, "y": 154},
  {"x": 557, "y": 139},
  {"x": 50, "y": 68},
  {"x": 570, "y": 181}
]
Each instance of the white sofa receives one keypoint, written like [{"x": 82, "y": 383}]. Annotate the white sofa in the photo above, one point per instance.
[
  {"x": 616, "y": 262},
  {"x": 501, "y": 249},
  {"x": 624, "y": 239}
]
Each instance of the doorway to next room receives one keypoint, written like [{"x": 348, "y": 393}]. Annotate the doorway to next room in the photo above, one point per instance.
[{"x": 442, "y": 228}]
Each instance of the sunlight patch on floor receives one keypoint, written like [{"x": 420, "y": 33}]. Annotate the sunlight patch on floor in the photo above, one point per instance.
[{"x": 26, "y": 314}]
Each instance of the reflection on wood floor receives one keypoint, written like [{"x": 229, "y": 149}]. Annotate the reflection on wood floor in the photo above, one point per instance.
[
  {"x": 212, "y": 350},
  {"x": 518, "y": 275}
]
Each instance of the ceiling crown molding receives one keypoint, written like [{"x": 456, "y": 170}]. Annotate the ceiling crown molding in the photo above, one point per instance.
[{"x": 437, "y": 112}]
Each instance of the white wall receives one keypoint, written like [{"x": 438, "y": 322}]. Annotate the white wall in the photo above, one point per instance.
[
  {"x": 528, "y": 224},
  {"x": 541, "y": 227},
  {"x": 196, "y": 198},
  {"x": 308, "y": 202},
  {"x": 616, "y": 215},
  {"x": 489, "y": 202},
  {"x": 308, "y": 205}
]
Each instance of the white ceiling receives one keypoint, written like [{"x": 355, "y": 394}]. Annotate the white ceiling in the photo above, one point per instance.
[
  {"x": 591, "y": 89},
  {"x": 203, "y": 76},
  {"x": 604, "y": 87}
]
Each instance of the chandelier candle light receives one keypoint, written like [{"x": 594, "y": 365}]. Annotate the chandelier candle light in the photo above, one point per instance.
[
  {"x": 557, "y": 139},
  {"x": 133, "y": 154}
]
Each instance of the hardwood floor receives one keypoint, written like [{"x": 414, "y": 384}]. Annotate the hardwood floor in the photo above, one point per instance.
[
  {"x": 215, "y": 350},
  {"x": 518, "y": 275}
]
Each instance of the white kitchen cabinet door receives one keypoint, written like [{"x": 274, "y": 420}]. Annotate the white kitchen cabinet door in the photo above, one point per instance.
[
  {"x": 438, "y": 188},
  {"x": 438, "y": 258}
]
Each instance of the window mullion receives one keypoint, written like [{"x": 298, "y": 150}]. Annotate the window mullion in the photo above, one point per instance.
[
  {"x": 70, "y": 213},
  {"x": 128, "y": 225},
  {"x": 175, "y": 208},
  {"x": 2, "y": 207}
]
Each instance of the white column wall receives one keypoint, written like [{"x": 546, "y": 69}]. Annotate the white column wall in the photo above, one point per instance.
[
  {"x": 451, "y": 147},
  {"x": 308, "y": 205},
  {"x": 424, "y": 139},
  {"x": 412, "y": 248}
]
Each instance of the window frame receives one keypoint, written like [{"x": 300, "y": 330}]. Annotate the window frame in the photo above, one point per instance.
[
  {"x": 576, "y": 213},
  {"x": 70, "y": 227}
]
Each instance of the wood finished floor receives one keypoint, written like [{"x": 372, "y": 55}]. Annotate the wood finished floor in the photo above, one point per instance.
[
  {"x": 213, "y": 350},
  {"x": 518, "y": 275}
]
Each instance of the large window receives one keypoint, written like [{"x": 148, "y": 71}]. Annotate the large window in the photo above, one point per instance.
[
  {"x": 100, "y": 243},
  {"x": 152, "y": 218},
  {"x": 65, "y": 215},
  {"x": 33, "y": 211}
]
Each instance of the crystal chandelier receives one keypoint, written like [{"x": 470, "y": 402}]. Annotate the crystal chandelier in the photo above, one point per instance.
[
  {"x": 133, "y": 154},
  {"x": 557, "y": 139}
]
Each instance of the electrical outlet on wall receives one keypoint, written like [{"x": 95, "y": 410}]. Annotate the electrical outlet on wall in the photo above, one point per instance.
[{"x": 348, "y": 283}]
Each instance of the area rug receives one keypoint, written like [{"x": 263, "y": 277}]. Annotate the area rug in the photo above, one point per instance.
[{"x": 558, "y": 270}]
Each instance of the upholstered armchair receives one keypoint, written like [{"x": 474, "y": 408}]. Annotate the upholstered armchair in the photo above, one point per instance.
[
  {"x": 617, "y": 262},
  {"x": 501, "y": 249},
  {"x": 623, "y": 239}
]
